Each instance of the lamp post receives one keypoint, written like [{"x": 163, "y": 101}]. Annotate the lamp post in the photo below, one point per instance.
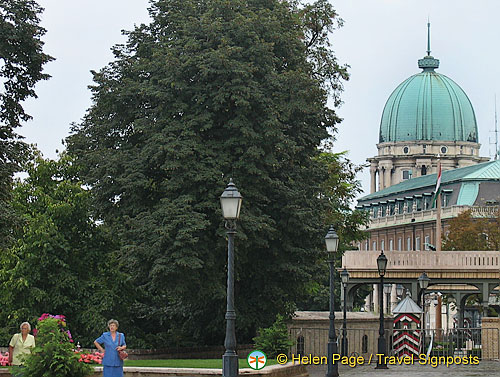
[
  {"x": 399, "y": 291},
  {"x": 387, "y": 291},
  {"x": 423, "y": 282},
  {"x": 332, "y": 244},
  {"x": 230, "y": 201},
  {"x": 344, "y": 275},
  {"x": 381, "y": 356}
]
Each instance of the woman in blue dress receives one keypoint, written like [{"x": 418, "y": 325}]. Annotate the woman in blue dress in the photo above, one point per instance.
[{"x": 113, "y": 341}]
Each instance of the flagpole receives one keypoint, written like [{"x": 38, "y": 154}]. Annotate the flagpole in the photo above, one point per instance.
[{"x": 438, "y": 213}]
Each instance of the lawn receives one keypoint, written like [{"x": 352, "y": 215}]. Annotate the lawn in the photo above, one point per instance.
[{"x": 187, "y": 363}]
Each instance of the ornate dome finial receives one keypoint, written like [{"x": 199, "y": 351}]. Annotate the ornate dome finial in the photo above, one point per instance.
[
  {"x": 428, "y": 37},
  {"x": 428, "y": 63}
]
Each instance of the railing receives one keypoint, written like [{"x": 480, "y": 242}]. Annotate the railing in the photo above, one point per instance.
[
  {"x": 424, "y": 260},
  {"x": 463, "y": 342},
  {"x": 430, "y": 214},
  {"x": 459, "y": 342},
  {"x": 360, "y": 342}
]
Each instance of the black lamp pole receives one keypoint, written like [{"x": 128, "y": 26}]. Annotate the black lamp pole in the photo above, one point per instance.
[
  {"x": 381, "y": 360},
  {"x": 423, "y": 282},
  {"x": 332, "y": 243},
  {"x": 345, "y": 279},
  {"x": 231, "y": 205}
]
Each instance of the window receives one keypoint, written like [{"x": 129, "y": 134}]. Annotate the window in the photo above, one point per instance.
[
  {"x": 418, "y": 203},
  {"x": 374, "y": 245},
  {"x": 444, "y": 150},
  {"x": 408, "y": 244},
  {"x": 427, "y": 241},
  {"x": 417, "y": 243},
  {"x": 364, "y": 344},
  {"x": 300, "y": 345},
  {"x": 401, "y": 207},
  {"x": 423, "y": 171},
  {"x": 382, "y": 245},
  {"x": 406, "y": 149},
  {"x": 400, "y": 243},
  {"x": 407, "y": 174},
  {"x": 424, "y": 148},
  {"x": 391, "y": 246}
]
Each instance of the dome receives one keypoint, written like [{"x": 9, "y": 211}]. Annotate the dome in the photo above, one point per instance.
[{"x": 428, "y": 106}]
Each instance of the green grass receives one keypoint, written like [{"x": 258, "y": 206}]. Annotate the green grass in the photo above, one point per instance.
[{"x": 187, "y": 363}]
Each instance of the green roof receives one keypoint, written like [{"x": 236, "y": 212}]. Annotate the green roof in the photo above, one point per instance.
[
  {"x": 480, "y": 172},
  {"x": 428, "y": 106}
]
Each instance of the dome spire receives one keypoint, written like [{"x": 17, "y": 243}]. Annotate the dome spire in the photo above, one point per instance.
[
  {"x": 428, "y": 37},
  {"x": 428, "y": 63}
]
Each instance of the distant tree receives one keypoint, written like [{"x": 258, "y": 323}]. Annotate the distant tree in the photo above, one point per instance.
[
  {"x": 62, "y": 260},
  {"x": 21, "y": 63},
  {"x": 470, "y": 233},
  {"x": 210, "y": 90}
]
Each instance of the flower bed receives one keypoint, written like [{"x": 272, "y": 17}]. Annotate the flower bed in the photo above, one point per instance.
[{"x": 4, "y": 359}]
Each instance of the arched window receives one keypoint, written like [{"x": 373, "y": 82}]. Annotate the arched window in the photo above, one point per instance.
[
  {"x": 364, "y": 344},
  {"x": 300, "y": 345}
]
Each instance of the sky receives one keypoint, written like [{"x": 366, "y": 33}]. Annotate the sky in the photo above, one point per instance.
[{"x": 381, "y": 41}]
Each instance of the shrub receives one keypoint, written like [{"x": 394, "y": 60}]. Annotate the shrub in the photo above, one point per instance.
[
  {"x": 53, "y": 355},
  {"x": 274, "y": 340}
]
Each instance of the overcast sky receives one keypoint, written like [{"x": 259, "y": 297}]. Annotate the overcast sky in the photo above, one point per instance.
[{"x": 381, "y": 41}]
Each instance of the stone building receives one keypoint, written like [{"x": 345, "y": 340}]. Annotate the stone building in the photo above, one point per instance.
[{"x": 426, "y": 116}]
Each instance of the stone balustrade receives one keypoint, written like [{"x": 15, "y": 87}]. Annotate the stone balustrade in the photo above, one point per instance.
[{"x": 482, "y": 261}]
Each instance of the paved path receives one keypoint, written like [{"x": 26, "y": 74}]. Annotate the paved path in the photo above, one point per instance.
[{"x": 484, "y": 369}]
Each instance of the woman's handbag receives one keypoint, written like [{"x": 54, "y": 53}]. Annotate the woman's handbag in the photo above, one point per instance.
[{"x": 121, "y": 354}]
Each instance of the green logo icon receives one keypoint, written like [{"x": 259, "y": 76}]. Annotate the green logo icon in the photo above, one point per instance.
[{"x": 257, "y": 360}]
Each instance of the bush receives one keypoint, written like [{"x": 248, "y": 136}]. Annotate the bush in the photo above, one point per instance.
[
  {"x": 53, "y": 355},
  {"x": 274, "y": 340}
]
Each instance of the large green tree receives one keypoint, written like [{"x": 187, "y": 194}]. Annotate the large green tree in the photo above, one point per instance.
[
  {"x": 209, "y": 90},
  {"x": 62, "y": 261},
  {"x": 21, "y": 64},
  {"x": 339, "y": 191}
]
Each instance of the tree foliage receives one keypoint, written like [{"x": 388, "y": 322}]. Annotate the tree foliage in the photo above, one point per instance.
[
  {"x": 470, "y": 233},
  {"x": 21, "y": 63},
  {"x": 339, "y": 191},
  {"x": 209, "y": 90},
  {"x": 62, "y": 260},
  {"x": 274, "y": 339}
]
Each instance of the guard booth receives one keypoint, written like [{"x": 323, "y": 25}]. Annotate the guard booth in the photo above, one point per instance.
[{"x": 407, "y": 333}]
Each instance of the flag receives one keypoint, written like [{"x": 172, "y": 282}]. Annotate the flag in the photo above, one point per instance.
[{"x": 437, "y": 190}]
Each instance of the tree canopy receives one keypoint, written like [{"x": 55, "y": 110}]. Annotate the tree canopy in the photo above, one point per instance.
[
  {"x": 21, "y": 65},
  {"x": 62, "y": 260},
  {"x": 470, "y": 233},
  {"x": 209, "y": 90}
]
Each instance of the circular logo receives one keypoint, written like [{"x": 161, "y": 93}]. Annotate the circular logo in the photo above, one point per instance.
[{"x": 257, "y": 360}]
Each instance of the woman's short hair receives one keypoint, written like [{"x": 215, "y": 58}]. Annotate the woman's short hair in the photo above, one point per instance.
[
  {"x": 113, "y": 321},
  {"x": 25, "y": 323}
]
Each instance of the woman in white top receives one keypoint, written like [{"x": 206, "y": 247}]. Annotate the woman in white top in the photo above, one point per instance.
[{"x": 21, "y": 344}]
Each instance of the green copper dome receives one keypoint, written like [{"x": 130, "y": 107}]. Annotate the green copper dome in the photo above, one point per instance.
[{"x": 428, "y": 106}]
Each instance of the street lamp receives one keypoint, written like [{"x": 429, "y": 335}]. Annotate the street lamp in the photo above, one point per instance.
[
  {"x": 381, "y": 360},
  {"x": 332, "y": 245},
  {"x": 387, "y": 291},
  {"x": 344, "y": 275},
  {"x": 230, "y": 201},
  {"x": 399, "y": 291},
  {"x": 423, "y": 282}
]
